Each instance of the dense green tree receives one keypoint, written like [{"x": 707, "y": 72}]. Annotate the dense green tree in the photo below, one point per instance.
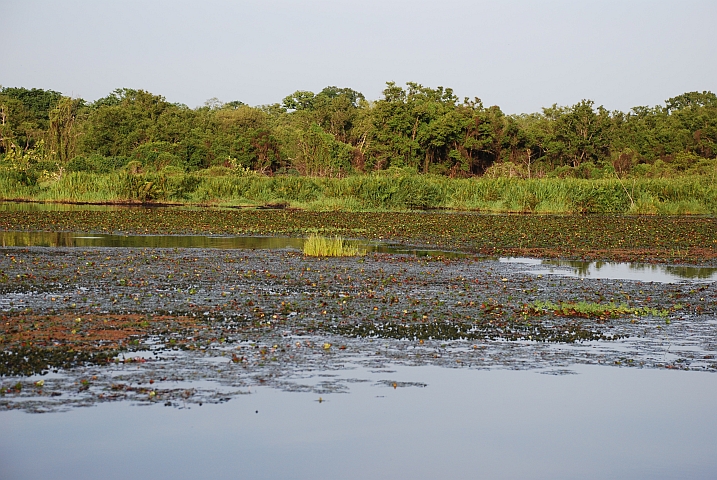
[
  {"x": 415, "y": 127},
  {"x": 319, "y": 133},
  {"x": 486, "y": 135},
  {"x": 37, "y": 101},
  {"x": 691, "y": 99},
  {"x": 24, "y": 116},
  {"x": 579, "y": 133},
  {"x": 62, "y": 132},
  {"x": 694, "y": 115},
  {"x": 122, "y": 121},
  {"x": 337, "y": 132},
  {"x": 245, "y": 133}
]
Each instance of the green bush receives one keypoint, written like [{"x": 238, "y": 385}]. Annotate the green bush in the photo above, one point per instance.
[
  {"x": 96, "y": 164},
  {"x": 159, "y": 155}
]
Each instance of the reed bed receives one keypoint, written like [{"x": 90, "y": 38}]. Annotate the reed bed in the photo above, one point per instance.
[
  {"x": 679, "y": 195},
  {"x": 319, "y": 246}
]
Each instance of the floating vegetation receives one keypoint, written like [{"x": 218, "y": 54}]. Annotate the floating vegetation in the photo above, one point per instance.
[
  {"x": 256, "y": 317},
  {"x": 591, "y": 309},
  {"x": 607, "y": 237},
  {"x": 504, "y": 330},
  {"x": 25, "y": 361},
  {"x": 318, "y": 246}
]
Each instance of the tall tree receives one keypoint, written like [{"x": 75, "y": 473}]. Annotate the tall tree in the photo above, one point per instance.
[
  {"x": 24, "y": 116},
  {"x": 62, "y": 132}
]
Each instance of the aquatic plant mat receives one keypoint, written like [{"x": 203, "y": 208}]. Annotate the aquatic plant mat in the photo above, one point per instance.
[
  {"x": 666, "y": 239},
  {"x": 81, "y": 326}
]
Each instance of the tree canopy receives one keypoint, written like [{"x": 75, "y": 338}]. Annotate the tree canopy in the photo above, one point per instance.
[{"x": 337, "y": 132}]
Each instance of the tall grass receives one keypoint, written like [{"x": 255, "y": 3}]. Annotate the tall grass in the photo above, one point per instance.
[
  {"x": 318, "y": 246},
  {"x": 680, "y": 195}
]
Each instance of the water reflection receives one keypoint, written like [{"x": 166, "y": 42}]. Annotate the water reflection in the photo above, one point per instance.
[
  {"x": 636, "y": 271},
  {"x": 703, "y": 273},
  {"x": 603, "y": 270},
  {"x": 70, "y": 239},
  {"x": 602, "y": 423},
  {"x": 619, "y": 271}
]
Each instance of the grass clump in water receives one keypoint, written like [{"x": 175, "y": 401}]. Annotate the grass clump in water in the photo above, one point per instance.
[{"x": 319, "y": 246}]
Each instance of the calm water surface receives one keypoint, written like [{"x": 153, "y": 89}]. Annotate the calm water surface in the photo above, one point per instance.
[
  {"x": 85, "y": 240},
  {"x": 595, "y": 270},
  {"x": 586, "y": 422},
  {"x": 640, "y": 272}
]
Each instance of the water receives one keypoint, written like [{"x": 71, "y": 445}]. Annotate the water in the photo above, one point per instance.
[
  {"x": 598, "y": 422},
  {"x": 640, "y": 272},
  {"x": 344, "y": 418},
  {"x": 70, "y": 239},
  {"x": 636, "y": 271},
  {"x": 604, "y": 270}
]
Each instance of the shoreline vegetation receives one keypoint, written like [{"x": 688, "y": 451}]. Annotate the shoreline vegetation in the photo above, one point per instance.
[
  {"x": 416, "y": 148},
  {"x": 695, "y": 195}
]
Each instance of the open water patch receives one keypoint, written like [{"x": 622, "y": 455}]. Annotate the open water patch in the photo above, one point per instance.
[
  {"x": 641, "y": 272},
  {"x": 414, "y": 422},
  {"x": 85, "y": 240}
]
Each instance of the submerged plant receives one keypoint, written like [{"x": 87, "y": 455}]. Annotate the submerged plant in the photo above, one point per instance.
[{"x": 318, "y": 246}]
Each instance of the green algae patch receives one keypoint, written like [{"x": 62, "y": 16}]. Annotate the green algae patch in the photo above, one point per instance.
[{"x": 591, "y": 310}]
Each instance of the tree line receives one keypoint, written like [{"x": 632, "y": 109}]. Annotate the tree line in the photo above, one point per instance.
[{"x": 337, "y": 132}]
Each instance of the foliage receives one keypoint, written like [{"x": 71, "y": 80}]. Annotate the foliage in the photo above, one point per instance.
[
  {"x": 338, "y": 133},
  {"x": 318, "y": 246},
  {"x": 24, "y": 116},
  {"x": 85, "y": 180}
]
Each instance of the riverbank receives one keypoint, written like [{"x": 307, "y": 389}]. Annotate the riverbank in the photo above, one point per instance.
[{"x": 384, "y": 192}]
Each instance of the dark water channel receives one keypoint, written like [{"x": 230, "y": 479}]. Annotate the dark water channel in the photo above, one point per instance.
[
  {"x": 280, "y": 379},
  {"x": 68, "y": 239},
  {"x": 597, "y": 270}
]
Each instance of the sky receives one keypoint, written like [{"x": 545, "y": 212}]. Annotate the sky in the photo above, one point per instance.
[{"x": 518, "y": 54}]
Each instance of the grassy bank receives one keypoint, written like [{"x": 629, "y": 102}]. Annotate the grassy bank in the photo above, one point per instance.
[{"x": 680, "y": 195}]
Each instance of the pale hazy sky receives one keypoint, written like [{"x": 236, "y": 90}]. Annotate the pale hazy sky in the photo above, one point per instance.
[{"x": 521, "y": 55}]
